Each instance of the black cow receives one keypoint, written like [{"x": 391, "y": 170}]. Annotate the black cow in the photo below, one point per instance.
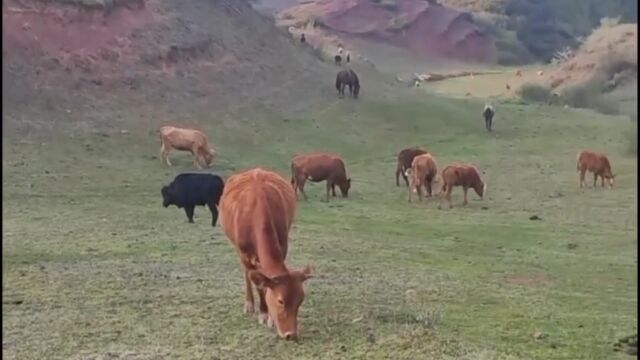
[{"x": 191, "y": 189}]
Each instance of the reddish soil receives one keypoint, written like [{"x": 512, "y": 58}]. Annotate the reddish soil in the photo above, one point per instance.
[{"x": 428, "y": 30}]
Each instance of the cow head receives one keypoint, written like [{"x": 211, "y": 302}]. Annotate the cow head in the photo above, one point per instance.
[
  {"x": 209, "y": 155},
  {"x": 344, "y": 187},
  {"x": 480, "y": 188},
  {"x": 612, "y": 179},
  {"x": 167, "y": 196},
  {"x": 284, "y": 295}
]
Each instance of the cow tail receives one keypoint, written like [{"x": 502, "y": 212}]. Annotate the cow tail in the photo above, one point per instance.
[{"x": 293, "y": 175}]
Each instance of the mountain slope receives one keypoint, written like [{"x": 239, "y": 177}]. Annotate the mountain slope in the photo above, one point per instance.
[{"x": 86, "y": 66}]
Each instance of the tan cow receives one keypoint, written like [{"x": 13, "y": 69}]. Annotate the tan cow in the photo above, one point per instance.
[
  {"x": 465, "y": 175},
  {"x": 319, "y": 167},
  {"x": 194, "y": 141},
  {"x": 596, "y": 163},
  {"x": 422, "y": 173},
  {"x": 405, "y": 158},
  {"x": 256, "y": 212}
]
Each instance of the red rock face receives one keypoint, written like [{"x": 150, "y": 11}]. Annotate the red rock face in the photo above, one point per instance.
[{"x": 427, "y": 30}]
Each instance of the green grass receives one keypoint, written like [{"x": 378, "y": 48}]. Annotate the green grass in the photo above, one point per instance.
[{"x": 93, "y": 265}]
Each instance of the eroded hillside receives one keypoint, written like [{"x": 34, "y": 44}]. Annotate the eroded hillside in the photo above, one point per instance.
[{"x": 79, "y": 65}]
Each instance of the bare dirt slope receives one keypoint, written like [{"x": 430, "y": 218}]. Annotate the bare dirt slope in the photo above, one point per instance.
[
  {"x": 78, "y": 66},
  {"x": 425, "y": 29}
]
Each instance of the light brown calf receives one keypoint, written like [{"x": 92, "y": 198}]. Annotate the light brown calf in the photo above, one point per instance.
[
  {"x": 194, "y": 141},
  {"x": 256, "y": 212},
  {"x": 596, "y": 163},
  {"x": 422, "y": 174},
  {"x": 465, "y": 175}
]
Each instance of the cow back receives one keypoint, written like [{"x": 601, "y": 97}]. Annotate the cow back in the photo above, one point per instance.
[
  {"x": 183, "y": 139},
  {"x": 406, "y": 156},
  {"x": 320, "y": 166},
  {"x": 254, "y": 202},
  {"x": 197, "y": 188}
]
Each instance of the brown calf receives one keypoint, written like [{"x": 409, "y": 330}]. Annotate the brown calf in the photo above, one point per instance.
[
  {"x": 596, "y": 163},
  {"x": 422, "y": 173},
  {"x": 194, "y": 141},
  {"x": 319, "y": 167},
  {"x": 405, "y": 157},
  {"x": 257, "y": 209},
  {"x": 465, "y": 175}
]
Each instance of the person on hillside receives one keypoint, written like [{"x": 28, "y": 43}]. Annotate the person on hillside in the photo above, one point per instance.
[
  {"x": 302, "y": 38},
  {"x": 348, "y": 57}
]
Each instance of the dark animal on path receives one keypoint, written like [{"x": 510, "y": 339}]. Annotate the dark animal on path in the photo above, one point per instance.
[
  {"x": 337, "y": 60},
  {"x": 194, "y": 141},
  {"x": 257, "y": 210},
  {"x": 508, "y": 87},
  {"x": 596, "y": 163},
  {"x": 348, "y": 78},
  {"x": 465, "y": 175},
  {"x": 405, "y": 158},
  {"x": 422, "y": 174},
  {"x": 191, "y": 189},
  {"x": 348, "y": 57},
  {"x": 488, "y": 114},
  {"x": 320, "y": 167},
  {"x": 303, "y": 39}
]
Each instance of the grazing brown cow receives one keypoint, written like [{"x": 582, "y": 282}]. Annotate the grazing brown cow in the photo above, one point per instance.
[
  {"x": 422, "y": 173},
  {"x": 256, "y": 212},
  {"x": 596, "y": 163},
  {"x": 319, "y": 167},
  {"x": 465, "y": 175},
  {"x": 194, "y": 141},
  {"x": 405, "y": 158}
]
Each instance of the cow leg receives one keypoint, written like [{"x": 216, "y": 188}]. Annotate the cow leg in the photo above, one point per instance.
[
  {"x": 164, "y": 153},
  {"x": 188, "y": 209},
  {"x": 602, "y": 181},
  {"x": 263, "y": 318},
  {"x": 448, "y": 195},
  {"x": 582, "y": 173},
  {"x": 300, "y": 181},
  {"x": 419, "y": 191},
  {"x": 333, "y": 190},
  {"x": 328, "y": 188},
  {"x": 464, "y": 190},
  {"x": 248, "y": 301},
  {"x": 214, "y": 213},
  {"x": 595, "y": 180},
  {"x": 429, "y": 189}
]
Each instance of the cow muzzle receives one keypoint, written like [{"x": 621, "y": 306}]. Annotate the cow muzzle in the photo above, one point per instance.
[{"x": 290, "y": 336}]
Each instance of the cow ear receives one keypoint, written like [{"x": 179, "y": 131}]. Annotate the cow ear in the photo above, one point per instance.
[
  {"x": 260, "y": 279},
  {"x": 304, "y": 274}
]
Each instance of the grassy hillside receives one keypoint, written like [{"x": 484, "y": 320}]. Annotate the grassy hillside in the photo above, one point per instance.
[{"x": 93, "y": 265}]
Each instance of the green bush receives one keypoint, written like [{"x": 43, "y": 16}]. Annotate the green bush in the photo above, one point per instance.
[
  {"x": 535, "y": 93},
  {"x": 590, "y": 95}
]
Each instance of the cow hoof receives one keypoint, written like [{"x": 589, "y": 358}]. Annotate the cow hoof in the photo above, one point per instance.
[
  {"x": 263, "y": 319},
  {"x": 248, "y": 308}
]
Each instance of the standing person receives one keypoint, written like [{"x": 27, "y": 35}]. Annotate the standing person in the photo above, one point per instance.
[{"x": 302, "y": 38}]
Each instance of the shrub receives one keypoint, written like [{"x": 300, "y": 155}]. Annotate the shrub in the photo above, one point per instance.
[
  {"x": 589, "y": 95},
  {"x": 535, "y": 93}
]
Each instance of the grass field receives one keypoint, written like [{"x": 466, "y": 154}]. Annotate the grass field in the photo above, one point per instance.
[{"x": 94, "y": 266}]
